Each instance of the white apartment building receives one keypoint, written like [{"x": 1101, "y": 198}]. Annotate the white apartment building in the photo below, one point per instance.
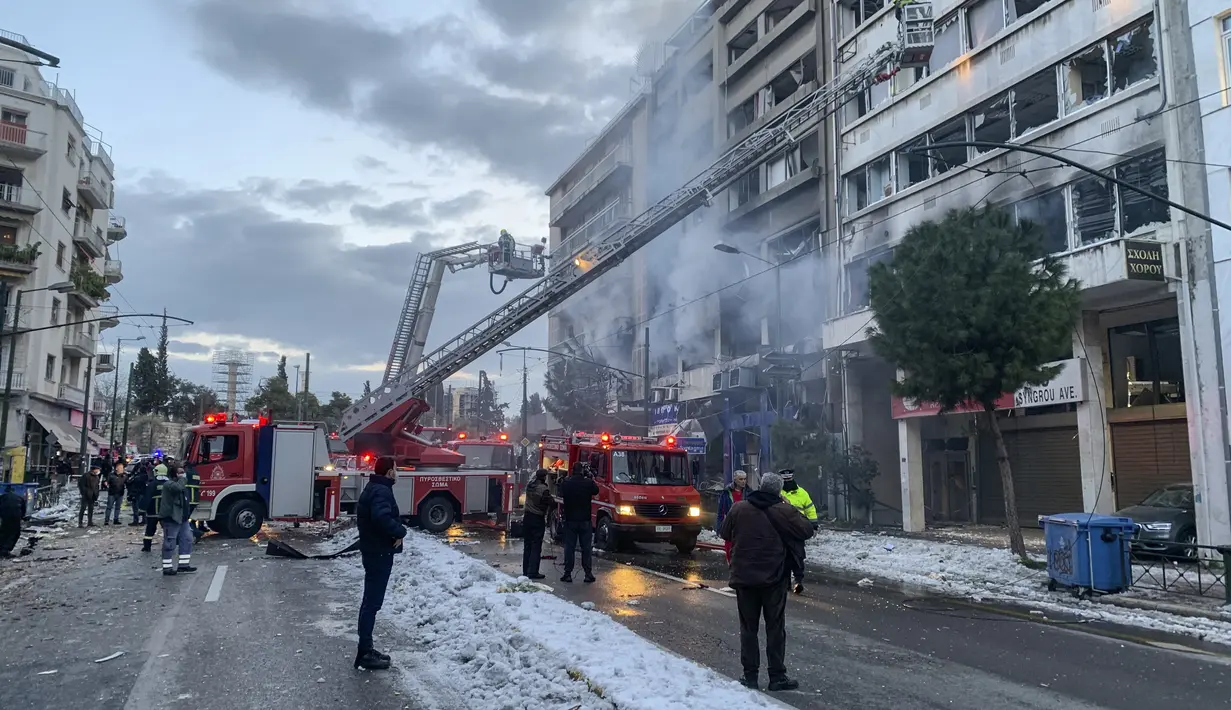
[
  {"x": 56, "y": 195},
  {"x": 1096, "y": 80}
]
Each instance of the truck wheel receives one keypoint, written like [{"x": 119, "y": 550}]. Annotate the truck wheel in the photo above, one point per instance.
[
  {"x": 243, "y": 518},
  {"x": 604, "y": 537},
  {"x": 686, "y": 546},
  {"x": 436, "y": 514}
]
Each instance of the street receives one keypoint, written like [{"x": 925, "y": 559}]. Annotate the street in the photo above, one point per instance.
[
  {"x": 273, "y": 638},
  {"x": 862, "y": 648}
]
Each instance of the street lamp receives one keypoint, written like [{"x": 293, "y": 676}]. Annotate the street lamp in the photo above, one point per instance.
[
  {"x": 116, "y": 391},
  {"x": 525, "y": 404},
  {"x": 60, "y": 287}
]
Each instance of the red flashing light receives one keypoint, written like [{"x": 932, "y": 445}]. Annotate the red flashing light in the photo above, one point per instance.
[
  {"x": 461, "y": 435},
  {"x": 215, "y": 419},
  {"x": 504, "y": 437},
  {"x": 262, "y": 421},
  {"x": 605, "y": 438},
  {"x": 367, "y": 458},
  {"x": 670, "y": 441}
]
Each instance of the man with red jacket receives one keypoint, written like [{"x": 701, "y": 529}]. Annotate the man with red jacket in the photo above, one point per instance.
[{"x": 731, "y": 495}]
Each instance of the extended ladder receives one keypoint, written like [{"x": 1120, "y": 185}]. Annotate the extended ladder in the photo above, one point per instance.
[
  {"x": 419, "y": 281},
  {"x": 389, "y": 406}
]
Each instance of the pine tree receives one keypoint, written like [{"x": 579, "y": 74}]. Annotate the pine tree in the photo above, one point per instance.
[
  {"x": 577, "y": 391},
  {"x": 165, "y": 384},
  {"x": 282, "y": 369},
  {"x": 145, "y": 389},
  {"x": 969, "y": 308}
]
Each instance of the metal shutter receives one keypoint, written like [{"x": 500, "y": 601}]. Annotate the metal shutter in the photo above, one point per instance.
[
  {"x": 1148, "y": 455},
  {"x": 1046, "y": 466}
]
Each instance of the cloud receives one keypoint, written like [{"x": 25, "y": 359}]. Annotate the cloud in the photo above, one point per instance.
[
  {"x": 402, "y": 213},
  {"x": 523, "y": 100},
  {"x": 367, "y": 162},
  {"x": 461, "y": 205},
  {"x": 253, "y": 279}
]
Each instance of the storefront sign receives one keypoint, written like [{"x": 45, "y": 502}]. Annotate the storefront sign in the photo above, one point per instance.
[
  {"x": 1144, "y": 261},
  {"x": 663, "y": 419},
  {"x": 1066, "y": 387},
  {"x": 692, "y": 444}
]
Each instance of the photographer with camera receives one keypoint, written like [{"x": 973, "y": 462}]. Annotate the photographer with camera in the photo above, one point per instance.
[{"x": 576, "y": 493}]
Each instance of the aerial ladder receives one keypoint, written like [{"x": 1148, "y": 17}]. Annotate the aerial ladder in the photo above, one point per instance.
[
  {"x": 385, "y": 422},
  {"x": 502, "y": 258}
]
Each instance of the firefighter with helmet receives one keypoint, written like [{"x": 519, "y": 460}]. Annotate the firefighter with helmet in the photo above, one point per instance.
[
  {"x": 151, "y": 502},
  {"x": 799, "y": 499}
]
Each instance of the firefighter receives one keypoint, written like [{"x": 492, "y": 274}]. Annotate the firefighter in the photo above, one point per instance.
[
  {"x": 801, "y": 501},
  {"x": 151, "y": 503},
  {"x": 193, "y": 480}
]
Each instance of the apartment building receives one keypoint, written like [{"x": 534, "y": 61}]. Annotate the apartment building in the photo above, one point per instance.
[
  {"x": 1089, "y": 77},
  {"x": 56, "y": 227}
]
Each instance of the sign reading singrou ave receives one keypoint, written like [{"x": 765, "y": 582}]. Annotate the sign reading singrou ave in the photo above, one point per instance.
[{"x": 1067, "y": 387}]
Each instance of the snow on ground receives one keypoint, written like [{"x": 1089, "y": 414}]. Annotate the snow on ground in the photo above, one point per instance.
[
  {"x": 709, "y": 536},
  {"x": 982, "y": 573},
  {"x": 341, "y": 540},
  {"x": 492, "y": 641}
]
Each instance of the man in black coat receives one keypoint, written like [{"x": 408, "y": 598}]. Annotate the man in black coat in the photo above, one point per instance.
[
  {"x": 12, "y": 510},
  {"x": 534, "y": 523},
  {"x": 136, "y": 492},
  {"x": 380, "y": 538},
  {"x": 576, "y": 492}
]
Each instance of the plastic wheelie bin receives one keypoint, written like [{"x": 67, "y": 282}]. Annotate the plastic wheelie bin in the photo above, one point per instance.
[{"x": 1088, "y": 553}]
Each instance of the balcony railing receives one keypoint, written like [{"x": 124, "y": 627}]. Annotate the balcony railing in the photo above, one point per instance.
[
  {"x": 95, "y": 190},
  {"x": 19, "y": 376},
  {"x": 76, "y": 395},
  {"x": 19, "y": 256},
  {"x": 65, "y": 99},
  {"x": 99, "y": 152},
  {"x": 19, "y": 135},
  {"x": 80, "y": 341},
  {"x": 23, "y": 321},
  {"x": 90, "y": 238},
  {"x": 13, "y": 196},
  {"x": 615, "y": 215},
  {"x": 621, "y": 154},
  {"x": 117, "y": 228},
  {"x": 113, "y": 271}
]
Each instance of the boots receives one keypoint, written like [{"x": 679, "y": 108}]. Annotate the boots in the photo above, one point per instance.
[
  {"x": 783, "y": 683},
  {"x": 370, "y": 660}
]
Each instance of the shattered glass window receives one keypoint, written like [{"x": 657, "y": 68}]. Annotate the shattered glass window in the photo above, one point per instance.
[
  {"x": 1085, "y": 78},
  {"x": 983, "y": 20},
  {"x": 858, "y": 295},
  {"x": 856, "y": 190},
  {"x": 1049, "y": 213},
  {"x": 1132, "y": 57},
  {"x": 944, "y": 159},
  {"x": 948, "y": 44},
  {"x": 912, "y": 166},
  {"x": 1148, "y": 172},
  {"x": 1036, "y": 102},
  {"x": 1014, "y": 10},
  {"x": 1094, "y": 206},
  {"x": 880, "y": 181},
  {"x": 992, "y": 122}
]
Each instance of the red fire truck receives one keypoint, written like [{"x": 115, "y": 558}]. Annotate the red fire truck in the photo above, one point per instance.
[{"x": 645, "y": 491}]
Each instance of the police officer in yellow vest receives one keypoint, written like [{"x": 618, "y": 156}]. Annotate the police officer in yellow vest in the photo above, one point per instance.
[{"x": 800, "y": 500}]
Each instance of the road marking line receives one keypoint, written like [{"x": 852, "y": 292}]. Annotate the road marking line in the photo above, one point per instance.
[
  {"x": 215, "y": 586},
  {"x": 664, "y": 575}
]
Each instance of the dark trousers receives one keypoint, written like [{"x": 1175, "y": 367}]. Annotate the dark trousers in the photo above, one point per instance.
[
  {"x": 151, "y": 527},
  {"x": 138, "y": 514},
  {"x": 797, "y": 571},
  {"x": 376, "y": 570},
  {"x": 533, "y": 528},
  {"x": 10, "y": 533},
  {"x": 86, "y": 508},
  {"x": 578, "y": 532},
  {"x": 755, "y": 602},
  {"x": 112, "y": 511}
]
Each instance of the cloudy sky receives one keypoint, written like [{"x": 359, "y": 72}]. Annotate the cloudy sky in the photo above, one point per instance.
[{"x": 281, "y": 162}]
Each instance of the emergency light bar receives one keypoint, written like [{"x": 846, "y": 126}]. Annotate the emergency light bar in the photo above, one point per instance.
[
  {"x": 461, "y": 435},
  {"x": 504, "y": 437}
]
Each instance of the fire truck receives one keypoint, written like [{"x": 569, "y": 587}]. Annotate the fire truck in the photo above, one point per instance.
[
  {"x": 385, "y": 422},
  {"x": 495, "y": 452},
  {"x": 645, "y": 488}
]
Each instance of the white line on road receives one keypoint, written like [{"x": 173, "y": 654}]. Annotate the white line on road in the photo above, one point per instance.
[
  {"x": 215, "y": 587},
  {"x": 663, "y": 575}
]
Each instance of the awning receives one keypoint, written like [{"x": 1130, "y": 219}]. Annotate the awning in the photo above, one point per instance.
[
  {"x": 98, "y": 441},
  {"x": 61, "y": 432}
]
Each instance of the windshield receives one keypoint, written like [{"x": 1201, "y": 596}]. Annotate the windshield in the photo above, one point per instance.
[
  {"x": 1178, "y": 497},
  {"x": 185, "y": 446},
  {"x": 649, "y": 468},
  {"x": 487, "y": 456}
]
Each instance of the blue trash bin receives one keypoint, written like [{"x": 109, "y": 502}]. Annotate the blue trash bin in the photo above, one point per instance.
[
  {"x": 29, "y": 491},
  {"x": 1088, "y": 552}
]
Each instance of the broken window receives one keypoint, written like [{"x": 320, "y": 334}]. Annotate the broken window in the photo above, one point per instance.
[
  {"x": 775, "y": 172},
  {"x": 992, "y": 122},
  {"x": 1095, "y": 210},
  {"x": 912, "y": 166},
  {"x": 854, "y": 14},
  {"x": 1048, "y": 212},
  {"x": 1014, "y": 10},
  {"x": 777, "y": 12},
  {"x": 741, "y": 42},
  {"x": 856, "y": 190},
  {"x": 764, "y": 101},
  {"x": 1036, "y": 102},
  {"x": 857, "y": 283},
  {"x": 744, "y": 189},
  {"x": 948, "y": 44},
  {"x": 1085, "y": 78},
  {"x": 880, "y": 179},
  {"x": 908, "y": 77},
  {"x": 1148, "y": 172},
  {"x": 983, "y": 20},
  {"x": 741, "y": 117},
  {"x": 945, "y": 159},
  {"x": 879, "y": 93},
  {"x": 1132, "y": 57}
]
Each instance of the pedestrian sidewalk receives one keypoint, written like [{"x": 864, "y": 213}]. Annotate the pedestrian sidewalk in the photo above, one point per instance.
[
  {"x": 467, "y": 635},
  {"x": 975, "y": 563}
]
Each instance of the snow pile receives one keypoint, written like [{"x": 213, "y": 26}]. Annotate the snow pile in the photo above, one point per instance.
[
  {"x": 709, "y": 536},
  {"x": 982, "y": 573},
  {"x": 341, "y": 540},
  {"x": 497, "y": 642},
  {"x": 70, "y": 501}
]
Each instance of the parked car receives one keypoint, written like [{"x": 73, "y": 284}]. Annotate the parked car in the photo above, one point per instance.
[{"x": 1166, "y": 522}]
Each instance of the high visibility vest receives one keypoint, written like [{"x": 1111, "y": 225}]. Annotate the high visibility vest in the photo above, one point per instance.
[{"x": 801, "y": 501}]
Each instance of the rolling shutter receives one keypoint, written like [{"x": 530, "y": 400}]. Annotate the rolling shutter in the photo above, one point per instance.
[
  {"x": 1149, "y": 454},
  {"x": 1046, "y": 466}
]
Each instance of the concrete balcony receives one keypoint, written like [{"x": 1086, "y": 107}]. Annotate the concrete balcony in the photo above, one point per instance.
[
  {"x": 108, "y": 320},
  {"x": 104, "y": 363},
  {"x": 19, "y": 376},
  {"x": 94, "y": 191},
  {"x": 78, "y": 343},
  {"x": 74, "y": 396},
  {"x": 19, "y": 141},
  {"x": 90, "y": 239},
  {"x": 18, "y": 262},
  {"x": 113, "y": 272},
  {"x": 117, "y": 228},
  {"x": 599, "y": 226},
  {"x": 23, "y": 320},
  {"x": 618, "y": 160},
  {"x": 16, "y": 200},
  {"x": 100, "y": 154},
  {"x": 64, "y": 99}
]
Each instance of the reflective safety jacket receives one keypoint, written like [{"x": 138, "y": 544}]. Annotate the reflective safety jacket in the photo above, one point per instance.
[
  {"x": 801, "y": 501},
  {"x": 153, "y": 495},
  {"x": 193, "y": 480}
]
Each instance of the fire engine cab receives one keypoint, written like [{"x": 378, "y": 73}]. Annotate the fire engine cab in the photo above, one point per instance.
[
  {"x": 495, "y": 451},
  {"x": 253, "y": 470},
  {"x": 645, "y": 490}
]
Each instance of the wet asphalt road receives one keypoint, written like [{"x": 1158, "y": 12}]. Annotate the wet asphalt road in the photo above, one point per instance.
[
  {"x": 865, "y": 648},
  {"x": 264, "y": 643}
]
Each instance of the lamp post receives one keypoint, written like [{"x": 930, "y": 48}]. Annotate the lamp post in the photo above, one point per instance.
[
  {"x": 115, "y": 394},
  {"x": 60, "y": 287},
  {"x": 128, "y": 395},
  {"x": 525, "y": 405},
  {"x": 298, "y": 400}
]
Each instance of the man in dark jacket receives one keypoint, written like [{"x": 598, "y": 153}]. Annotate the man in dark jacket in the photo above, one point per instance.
[
  {"x": 576, "y": 493},
  {"x": 12, "y": 510},
  {"x": 136, "y": 492},
  {"x": 116, "y": 481},
  {"x": 151, "y": 505},
  {"x": 534, "y": 523},
  {"x": 380, "y": 538},
  {"x": 763, "y": 530},
  {"x": 88, "y": 486}
]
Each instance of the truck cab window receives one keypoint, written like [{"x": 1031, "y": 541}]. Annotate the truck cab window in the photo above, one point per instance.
[{"x": 220, "y": 447}]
